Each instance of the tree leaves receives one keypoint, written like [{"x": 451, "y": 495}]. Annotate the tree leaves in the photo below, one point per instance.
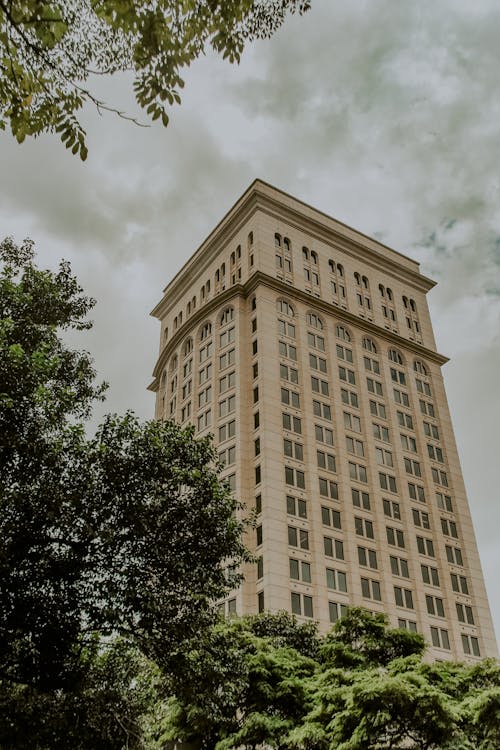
[{"x": 50, "y": 51}]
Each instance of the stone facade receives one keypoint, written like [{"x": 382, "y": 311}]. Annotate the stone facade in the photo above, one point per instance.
[{"x": 307, "y": 350}]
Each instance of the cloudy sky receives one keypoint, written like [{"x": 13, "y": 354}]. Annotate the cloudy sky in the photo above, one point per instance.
[{"x": 382, "y": 113}]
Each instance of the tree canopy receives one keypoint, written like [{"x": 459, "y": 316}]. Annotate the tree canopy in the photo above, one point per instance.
[
  {"x": 126, "y": 533},
  {"x": 52, "y": 52}
]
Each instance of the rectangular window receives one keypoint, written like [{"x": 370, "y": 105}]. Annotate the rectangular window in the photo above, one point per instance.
[
  {"x": 399, "y": 566},
  {"x": 435, "y": 453},
  {"x": 326, "y": 461},
  {"x": 352, "y": 422},
  {"x": 321, "y": 409},
  {"x": 287, "y": 350},
  {"x": 227, "y": 337},
  {"x": 377, "y": 409},
  {"x": 360, "y": 499},
  {"x": 372, "y": 365},
  {"x": 434, "y": 605},
  {"x": 292, "y": 423},
  {"x": 464, "y": 613},
  {"x": 387, "y": 482},
  {"x": 323, "y": 434},
  {"x": 454, "y": 555},
  {"x": 430, "y": 575},
  {"x": 400, "y": 397},
  {"x": 227, "y": 406},
  {"x": 405, "y": 420},
  {"x": 336, "y": 580},
  {"x": 431, "y": 430},
  {"x": 403, "y": 597},
  {"x": 383, "y": 457},
  {"x": 205, "y": 420},
  {"x": 380, "y": 432},
  {"x": 367, "y": 557},
  {"x": 371, "y": 589},
  {"x": 470, "y": 645},
  {"x": 327, "y": 488},
  {"x": 347, "y": 375},
  {"x": 358, "y": 472},
  {"x": 344, "y": 353},
  {"x": 289, "y": 373},
  {"x": 227, "y": 381},
  {"x": 227, "y": 359},
  {"x": 355, "y": 446},
  {"x": 440, "y": 639},
  {"x": 425, "y": 546},
  {"x": 408, "y": 443},
  {"x": 364, "y": 527},
  {"x": 412, "y": 467},
  {"x": 296, "y": 507},
  {"x": 420, "y": 518},
  {"x": 330, "y": 517},
  {"x": 298, "y": 538},
  {"x": 459, "y": 584},
  {"x": 374, "y": 386},
  {"x": 333, "y": 547},
  {"x": 416, "y": 492},
  {"x": 295, "y": 478},
  {"x": 391, "y": 508},
  {"x": 300, "y": 571},
  {"x": 444, "y": 502},
  {"x": 395, "y": 537},
  {"x": 349, "y": 397},
  {"x": 336, "y": 611},
  {"x": 301, "y": 605}
]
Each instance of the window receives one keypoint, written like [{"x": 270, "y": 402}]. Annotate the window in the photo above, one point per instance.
[
  {"x": 289, "y": 373},
  {"x": 401, "y": 398},
  {"x": 391, "y": 509},
  {"x": 416, "y": 492},
  {"x": 258, "y": 504},
  {"x": 369, "y": 345},
  {"x": 344, "y": 353},
  {"x": 317, "y": 363},
  {"x": 397, "y": 376},
  {"x": 371, "y": 365},
  {"x": 258, "y": 476},
  {"x": 439, "y": 477},
  {"x": 188, "y": 368},
  {"x": 412, "y": 467},
  {"x": 260, "y": 568},
  {"x": 354, "y": 446},
  {"x": 423, "y": 387},
  {"x": 336, "y": 611},
  {"x": 358, "y": 472},
  {"x": 326, "y": 461},
  {"x": 314, "y": 320},
  {"x": 384, "y": 457},
  {"x": 258, "y": 535},
  {"x": 371, "y": 589},
  {"x": 349, "y": 397},
  {"x": 427, "y": 408},
  {"x": 435, "y": 453},
  {"x": 206, "y": 331},
  {"x": 425, "y": 546},
  {"x": 434, "y": 605},
  {"x": 336, "y": 580},
  {"x": 395, "y": 537},
  {"x": 352, "y": 422},
  {"x": 300, "y": 570},
  {"x": 405, "y": 420},
  {"x": 440, "y": 639},
  {"x": 316, "y": 341},
  {"x": 348, "y": 376},
  {"x": 420, "y": 518},
  {"x": 367, "y": 558},
  {"x": 302, "y": 604},
  {"x": 227, "y": 337},
  {"x": 227, "y": 406},
  {"x": 291, "y": 398},
  {"x": 226, "y": 359},
  {"x": 333, "y": 547},
  {"x": 380, "y": 432},
  {"x": 286, "y": 308},
  {"x": 430, "y": 575},
  {"x": 407, "y": 625},
  {"x": 291, "y": 423},
  {"x": 255, "y": 346},
  {"x": 342, "y": 333},
  {"x": 330, "y": 517},
  {"x": 295, "y": 506},
  {"x": 293, "y": 450},
  {"x": 444, "y": 502},
  {"x": 360, "y": 499},
  {"x": 319, "y": 386},
  {"x": 470, "y": 645},
  {"x": 227, "y": 457},
  {"x": 454, "y": 555},
  {"x": 465, "y": 614},
  {"x": 186, "y": 389},
  {"x": 395, "y": 356},
  {"x": 459, "y": 584},
  {"x": 403, "y": 597},
  {"x": 287, "y": 350},
  {"x": 323, "y": 434},
  {"x": 294, "y": 477},
  {"x": 256, "y": 443},
  {"x": 286, "y": 329},
  {"x": 363, "y": 527},
  {"x": 449, "y": 528},
  {"x": 205, "y": 420},
  {"x": 374, "y": 386},
  {"x": 256, "y": 420},
  {"x": 227, "y": 381},
  {"x": 399, "y": 566},
  {"x": 408, "y": 443},
  {"x": 431, "y": 430},
  {"x": 186, "y": 412},
  {"x": 227, "y": 316},
  {"x": 298, "y": 538},
  {"x": 420, "y": 367},
  {"x": 387, "y": 482},
  {"x": 321, "y": 409},
  {"x": 205, "y": 374},
  {"x": 327, "y": 488}
]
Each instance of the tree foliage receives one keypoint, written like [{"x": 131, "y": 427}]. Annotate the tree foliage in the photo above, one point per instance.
[
  {"x": 363, "y": 686},
  {"x": 123, "y": 533},
  {"x": 51, "y": 51}
]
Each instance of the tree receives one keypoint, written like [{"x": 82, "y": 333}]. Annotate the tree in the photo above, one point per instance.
[
  {"x": 124, "y": 533},
  {"x": 50, "y": 51},
  {"x": 363, "y": 686}
]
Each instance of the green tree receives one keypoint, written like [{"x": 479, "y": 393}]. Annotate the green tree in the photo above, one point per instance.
[
  {"x": 51, "y": 51},
  {"x": 124, "y": 533}
]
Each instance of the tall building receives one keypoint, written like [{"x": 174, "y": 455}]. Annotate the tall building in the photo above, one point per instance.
[{"x": 307, "y": 349}]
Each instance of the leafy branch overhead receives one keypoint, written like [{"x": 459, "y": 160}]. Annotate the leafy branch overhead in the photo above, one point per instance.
[{"x": 51, "y": 53}]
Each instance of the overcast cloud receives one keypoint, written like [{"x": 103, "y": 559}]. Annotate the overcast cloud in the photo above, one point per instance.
[{"x": 384, "y": 114}]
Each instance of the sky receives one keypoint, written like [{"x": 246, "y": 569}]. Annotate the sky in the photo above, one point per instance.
[{"x": 382, "y": 113}]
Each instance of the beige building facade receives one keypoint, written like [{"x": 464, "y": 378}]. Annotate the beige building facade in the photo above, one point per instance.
[{"x": 306, "y": 349}]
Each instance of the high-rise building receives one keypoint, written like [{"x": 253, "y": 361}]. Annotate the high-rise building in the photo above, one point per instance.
[{"x": 306, "y": 349}]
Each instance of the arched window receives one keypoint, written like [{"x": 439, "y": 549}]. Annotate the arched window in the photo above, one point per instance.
[
  {"x": 205, "y": 331},
  {"x": 193, "y": 303},
  {"x": 340, "y": 269},
  {"x": 238, "y": 252},
  {"x": 188, "y": 347},
  {"x": 223, "y": 269},
  {"x": 364, "y": 281},
  {"x": 331, "y": 264},
  {"x": 174, "y": 362},
  {"x": 389, "y": 294},
  {"x": 217, "y": 276},
  {"x": 357, "y": 278},
  {"x": 382, "y": 290},
  {"x": 305, "y": 253},
  {"x": 227, "y": 316},
  {"x": 395, "y": 356},
  {"x": 286, "y": 308},
  {"x": 250, "y": 239},
  {"x": 405, "y": 301},
  {"x": 314, "y": 321},
  {"x": 165, "y": 333},
  {"x": 413, "y": 306},
  {"x": 208, "y": 286},
  {"x": 202, "y": 292},
  {"x": 369, "y": 345},
  {"x": 176, "y": 323},
  {"x": 314, "y": 257},
  {"x": 420, "y": 367},
  {"x": 180, "y": 318},
  {"x": 188, "y": 311},
  {"x": 164, "y": 379},
  {"x": 286, "y": 244},
  {"x": 343, "y": 333},
  {"x": 277, "y": 240},
  {"x": 233, "y": 258}
]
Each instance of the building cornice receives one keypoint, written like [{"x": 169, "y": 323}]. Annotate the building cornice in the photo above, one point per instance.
[{"x": 260, "y": 278}]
